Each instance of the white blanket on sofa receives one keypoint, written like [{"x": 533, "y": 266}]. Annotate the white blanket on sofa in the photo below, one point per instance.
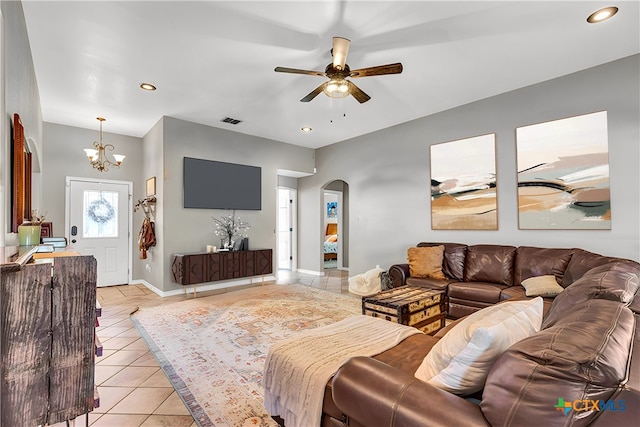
[
  {"x": 367, "y": 283},
  {"x": 297, "y": 369}
]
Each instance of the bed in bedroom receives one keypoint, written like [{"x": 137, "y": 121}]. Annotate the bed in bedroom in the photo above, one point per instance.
[{"x": 331, "y": 242}]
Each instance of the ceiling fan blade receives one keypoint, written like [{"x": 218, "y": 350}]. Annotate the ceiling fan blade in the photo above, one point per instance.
[
  {"x": 314, "y": 93},
  {"x": 357, "y": 93},
  {"x": 297, "y": 71},
  {"x": 377, "y": 71},
  {"x": 340, "y": 51}
]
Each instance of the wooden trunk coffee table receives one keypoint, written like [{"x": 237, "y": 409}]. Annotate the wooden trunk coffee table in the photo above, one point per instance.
[{"x": 414, "y": 306}]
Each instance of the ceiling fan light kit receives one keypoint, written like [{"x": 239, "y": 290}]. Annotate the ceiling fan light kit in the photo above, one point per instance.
[
  {"x": 336, "y": 88},
  {"x": 337, "y": 72}
]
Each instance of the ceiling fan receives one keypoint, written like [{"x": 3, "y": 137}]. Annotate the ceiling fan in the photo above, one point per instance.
[{"x": 337, "y": 72}]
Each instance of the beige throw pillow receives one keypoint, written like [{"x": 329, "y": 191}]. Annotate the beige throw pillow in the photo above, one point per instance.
[
  {"x": 544, "y": 286},
  {"x": 426, "y": 261},
  {"x": 460, "y": 362}
]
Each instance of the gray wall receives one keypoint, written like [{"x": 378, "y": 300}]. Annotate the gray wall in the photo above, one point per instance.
[
  {"x": 64, "y": 156},
  {"x": 190, "y": 230},
  {"x": 20, "y": 96},
  {"x": 151, "y": 269},
  {"x": 388, "y": 172},
  {"x": 287, "y": 181},
  {"x": 160, "y": 154}
]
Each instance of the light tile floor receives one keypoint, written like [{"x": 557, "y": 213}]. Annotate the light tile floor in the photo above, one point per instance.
[{"x": 134, "y": 391}]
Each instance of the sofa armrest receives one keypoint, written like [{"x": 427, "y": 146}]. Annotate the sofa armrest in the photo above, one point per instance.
[
  {"x": 398, "y": 274},
  {"x": 374, "y": 394}
]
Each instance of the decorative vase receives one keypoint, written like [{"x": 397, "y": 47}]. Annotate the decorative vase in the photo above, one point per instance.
[{"x": 29, "y": 235}]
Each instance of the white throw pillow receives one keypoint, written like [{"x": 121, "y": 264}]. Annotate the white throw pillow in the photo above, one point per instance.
[
  {"x": 460, "y": 362},
  {"x": 544, "y": 286}
]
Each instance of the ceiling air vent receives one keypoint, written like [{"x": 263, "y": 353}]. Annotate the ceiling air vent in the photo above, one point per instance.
[{"x": 230, "y": 120}]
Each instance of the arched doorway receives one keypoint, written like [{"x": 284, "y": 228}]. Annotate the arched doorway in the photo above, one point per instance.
[{"x": 335, "y": 225}]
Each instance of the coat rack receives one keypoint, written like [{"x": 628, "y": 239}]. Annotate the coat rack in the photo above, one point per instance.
[{"x": 147, "y": 204}]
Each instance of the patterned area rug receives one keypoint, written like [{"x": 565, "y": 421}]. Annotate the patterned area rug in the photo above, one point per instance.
[{"x": 213, "y": 349}]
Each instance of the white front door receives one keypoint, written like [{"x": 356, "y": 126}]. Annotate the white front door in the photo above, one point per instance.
[{"x": 98, "y": 223}]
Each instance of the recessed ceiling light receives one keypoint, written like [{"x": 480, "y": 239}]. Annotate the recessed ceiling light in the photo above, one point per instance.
[
  {"x": 306, "y": 129},
  {"x": 602, "y": 14},
  {"x": 147, "y": 86}
]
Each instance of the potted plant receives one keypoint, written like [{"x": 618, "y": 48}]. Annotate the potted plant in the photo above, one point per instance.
[
  {"x": 228, "y": 227},
  {"x": 29, "y": 231}
]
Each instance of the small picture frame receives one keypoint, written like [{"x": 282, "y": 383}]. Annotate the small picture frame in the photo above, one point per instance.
[
  {"x": 332, "y": 209},
  {"x": 151, "y": 186},
  {"x": 46, "y": 229}
]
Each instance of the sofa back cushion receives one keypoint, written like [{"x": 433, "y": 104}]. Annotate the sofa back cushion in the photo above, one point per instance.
[
  {"x": 453, "y": 262},
  {"x": 534, "y": 262},
  {"x": 490, "y": 263},
  {"x": 582, "y": 355},
  {"x": 581, "y": 262},
  {"x": 616, "y": 281}
]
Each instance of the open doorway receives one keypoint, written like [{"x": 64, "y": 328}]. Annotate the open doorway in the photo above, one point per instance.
[{"x": 335, "y": 239}]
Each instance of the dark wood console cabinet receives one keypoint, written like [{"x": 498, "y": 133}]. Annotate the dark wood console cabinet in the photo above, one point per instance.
[
  {"x": 47, "y": 339},
  {"x": 191, "y": 269}
]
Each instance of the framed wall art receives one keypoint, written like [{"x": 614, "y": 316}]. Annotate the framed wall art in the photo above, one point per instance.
[
  {"x": 20, "y": 177},
  {"x": 463, "y": 184},
  {"x": 151, "y": 186},
  {"x": 332, "y": 209},
  {"x": 563, "y": 174}
]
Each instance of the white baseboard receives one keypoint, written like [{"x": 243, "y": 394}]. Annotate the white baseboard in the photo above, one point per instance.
[
  {"x": 147, "y": 284},
  {"x": 256, "y": 280}
]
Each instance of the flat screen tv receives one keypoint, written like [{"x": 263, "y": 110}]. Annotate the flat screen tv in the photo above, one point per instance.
[{"x": 209, "y": 184}]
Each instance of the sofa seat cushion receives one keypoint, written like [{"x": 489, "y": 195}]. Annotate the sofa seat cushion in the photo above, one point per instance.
[
  {"x": 429, "y": 283},
  {"x": 513, "y": 292},
  {"x": 476, "y": 291},
  {"x": 460, "y": 362},
  {"x": 406, "y": 356},
  {"x": 457, "y": 310},
  {"x": 490, "y": 263},
  {"x": 533, "y": 262},
  {"x": 582, "y": 355}
]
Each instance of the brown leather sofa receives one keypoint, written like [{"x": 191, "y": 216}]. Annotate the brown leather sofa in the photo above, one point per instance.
[
  {"x": 479, "y": 276},
  {"x": 587, "y": 352}
]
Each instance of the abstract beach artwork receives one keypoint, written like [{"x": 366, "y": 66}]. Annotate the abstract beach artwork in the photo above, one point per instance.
[
  {"x": 563, "y": 174},
  {"x": 463, "y": 184}
]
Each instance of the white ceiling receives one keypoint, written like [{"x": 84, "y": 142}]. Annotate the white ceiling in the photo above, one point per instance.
[{"x": 215, "y": 59}]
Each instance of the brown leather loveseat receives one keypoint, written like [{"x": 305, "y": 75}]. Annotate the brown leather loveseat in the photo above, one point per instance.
[{"x": 582, "y": 368}]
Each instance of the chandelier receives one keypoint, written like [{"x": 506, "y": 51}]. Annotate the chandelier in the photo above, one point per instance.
[{"x": 98, "y": 154}]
